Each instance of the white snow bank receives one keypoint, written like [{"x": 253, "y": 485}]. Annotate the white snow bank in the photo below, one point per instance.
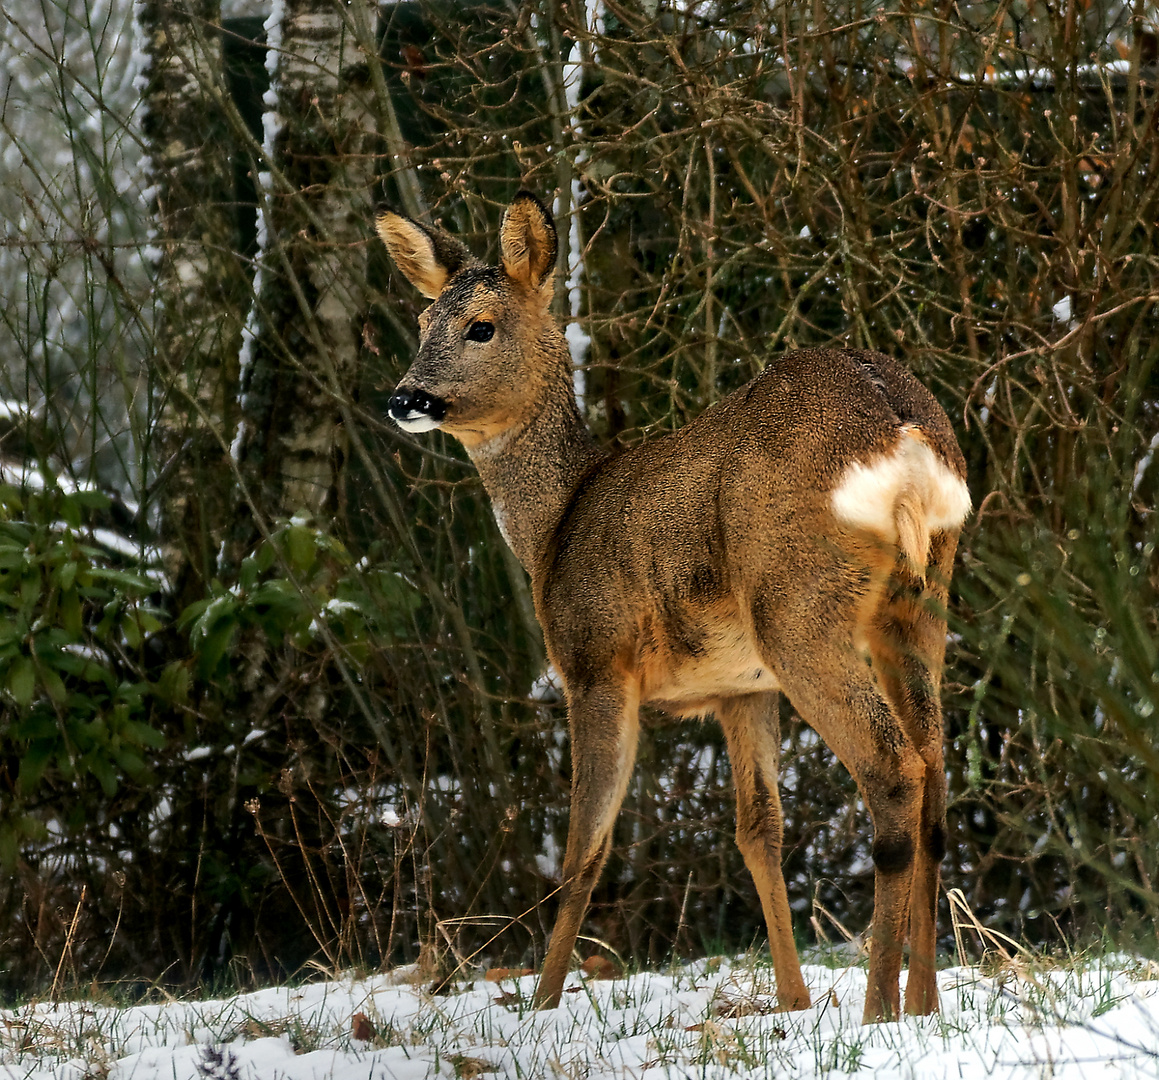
[{"x": 710, "y": 1019}]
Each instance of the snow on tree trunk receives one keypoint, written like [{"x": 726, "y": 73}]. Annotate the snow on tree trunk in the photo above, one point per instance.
[{"x": 316, "y": 206}]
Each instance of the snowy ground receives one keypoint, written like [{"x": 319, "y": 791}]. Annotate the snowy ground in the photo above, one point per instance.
[{"x": 708, "y": 1020}]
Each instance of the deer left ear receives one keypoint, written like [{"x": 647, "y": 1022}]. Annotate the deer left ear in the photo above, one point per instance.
[{"x": 528, "y": 243}]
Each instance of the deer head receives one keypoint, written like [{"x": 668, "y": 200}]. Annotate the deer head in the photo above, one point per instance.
[{"x": 490, "y": 352}]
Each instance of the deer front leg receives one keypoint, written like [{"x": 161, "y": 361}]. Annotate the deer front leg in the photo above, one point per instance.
[
  {"x": 604, "y": 726},
  {"x": 752, "y": 728}
]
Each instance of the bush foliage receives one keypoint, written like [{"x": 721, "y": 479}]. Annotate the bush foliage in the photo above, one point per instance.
[{"x": 265, "y": 662}]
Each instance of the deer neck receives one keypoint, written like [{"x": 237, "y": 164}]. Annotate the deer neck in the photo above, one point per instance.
[{"x": 532, "y": 469}]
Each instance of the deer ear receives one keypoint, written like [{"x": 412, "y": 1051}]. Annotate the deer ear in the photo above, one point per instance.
[
  {"x": 528, "y": 243},
  {"x": 428, "y": 257}
]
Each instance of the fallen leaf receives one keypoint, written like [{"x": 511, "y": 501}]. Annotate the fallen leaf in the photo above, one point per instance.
[
  {"x": 467, "y": 1067},
  {"x": 361, "y": 1028},
  {"x": 499, "y": 974},
  {"x": 599, "y": 967}
]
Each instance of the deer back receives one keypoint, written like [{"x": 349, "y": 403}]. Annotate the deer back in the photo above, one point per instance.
[{"x": 784, "y": 493}]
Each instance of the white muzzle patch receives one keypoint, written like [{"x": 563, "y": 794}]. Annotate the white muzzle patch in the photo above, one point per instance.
[{"x": 416, "y": 422}]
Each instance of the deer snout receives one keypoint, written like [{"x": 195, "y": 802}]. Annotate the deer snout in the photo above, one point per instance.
[{"x": 416, "y": 410}]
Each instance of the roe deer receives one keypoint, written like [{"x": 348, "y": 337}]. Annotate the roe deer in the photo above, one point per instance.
[{"x": 798, "y": 536}]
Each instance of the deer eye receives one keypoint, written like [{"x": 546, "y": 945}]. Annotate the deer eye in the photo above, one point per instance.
[{"x": 480, "y": 331}]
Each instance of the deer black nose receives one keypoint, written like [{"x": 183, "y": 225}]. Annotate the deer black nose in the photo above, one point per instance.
[{"x": 416, "y": 410}]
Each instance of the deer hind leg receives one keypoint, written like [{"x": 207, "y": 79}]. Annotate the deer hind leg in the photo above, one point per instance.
[
  {"x": 894, "y": 795},
  {"x": 890, "y": 774},
  {"x": 836, "y": 693},
  {"x": 751, "y": 727},
  {"x": 908, "y": 652},
  {"x": 604, "y": 726}
]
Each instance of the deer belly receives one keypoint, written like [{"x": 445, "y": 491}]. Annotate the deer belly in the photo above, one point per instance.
[{"x": 686, "y": 666}]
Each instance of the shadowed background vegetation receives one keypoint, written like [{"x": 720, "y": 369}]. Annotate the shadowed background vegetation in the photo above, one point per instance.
[{"x": 268, "y": 674}]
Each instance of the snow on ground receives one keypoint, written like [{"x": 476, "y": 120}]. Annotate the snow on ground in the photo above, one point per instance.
[{"x": 708, "y": 1020}]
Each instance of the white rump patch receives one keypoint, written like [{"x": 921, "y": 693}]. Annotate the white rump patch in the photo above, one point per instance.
[
  {"x": 869, "y": 495},
  {"x": 416, "y": 422}
]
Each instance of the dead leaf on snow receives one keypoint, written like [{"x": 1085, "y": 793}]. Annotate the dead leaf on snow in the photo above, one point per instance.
[
  {"x": 467, "y": 1067},
  {"x": 361, "y": 1028},
  {"x": 599, "y": 967},
  {"x": 499, "y": 974}
]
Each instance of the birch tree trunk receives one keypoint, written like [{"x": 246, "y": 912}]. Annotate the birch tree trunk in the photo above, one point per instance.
[
  {"x": 201, "y": 284},
  {"x": 320, "y": 131}
]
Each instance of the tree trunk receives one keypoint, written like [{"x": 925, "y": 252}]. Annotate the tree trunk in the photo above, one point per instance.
[{"x": 201, "y": 285}]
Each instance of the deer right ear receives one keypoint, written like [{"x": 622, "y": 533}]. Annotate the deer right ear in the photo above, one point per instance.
[{"x": 427, "y": 257}]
